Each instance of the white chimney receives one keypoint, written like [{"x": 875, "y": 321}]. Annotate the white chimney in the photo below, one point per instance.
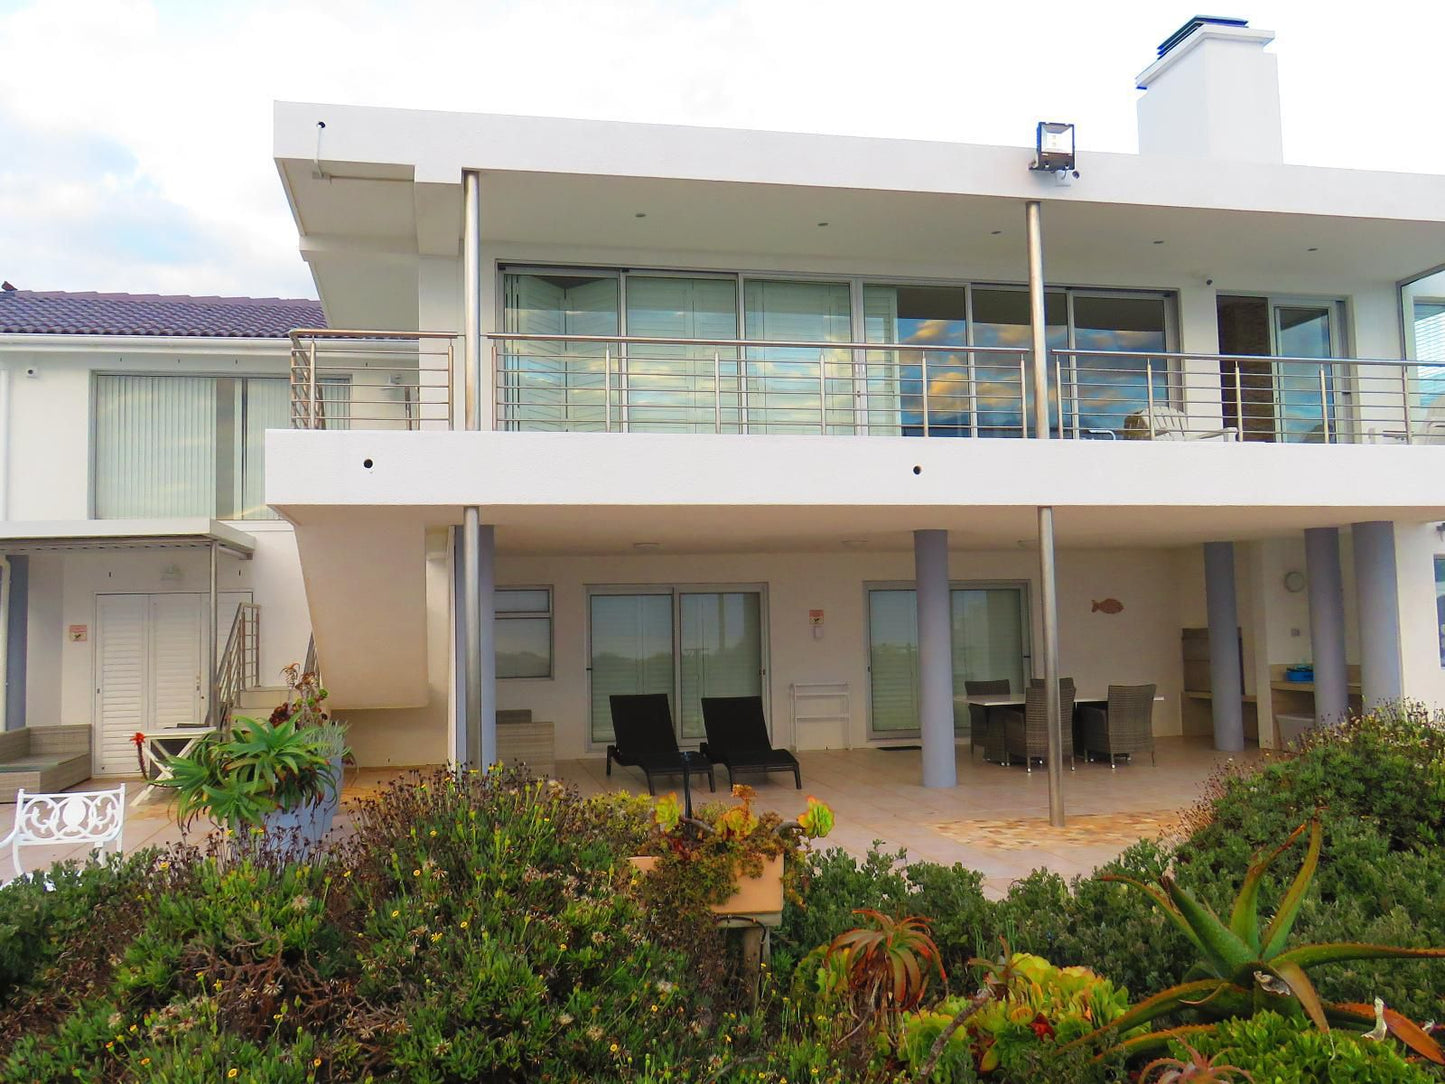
[{"x": 1213, "y": 93}]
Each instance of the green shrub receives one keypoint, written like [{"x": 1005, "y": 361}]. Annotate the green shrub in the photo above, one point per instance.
[{"x": 1277, "y": 1050}]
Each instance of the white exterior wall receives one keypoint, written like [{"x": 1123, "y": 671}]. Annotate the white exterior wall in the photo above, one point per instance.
[
  {"x": 1141, "y": 644},
  {"x": 47, "y": 436}
]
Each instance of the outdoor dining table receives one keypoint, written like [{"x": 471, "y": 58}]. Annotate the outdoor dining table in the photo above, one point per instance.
[{"x": 1016, "y": 700}]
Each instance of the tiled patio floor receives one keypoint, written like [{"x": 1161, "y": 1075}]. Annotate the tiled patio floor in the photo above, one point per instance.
[{"x": 995, "y": 820}]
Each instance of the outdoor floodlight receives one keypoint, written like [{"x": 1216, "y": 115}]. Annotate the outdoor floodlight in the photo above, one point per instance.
[{"x": 1055, "y": 148}]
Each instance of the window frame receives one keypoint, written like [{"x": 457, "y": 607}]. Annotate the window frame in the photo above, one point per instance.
[
  {"x": 1026, "y": 626},
  {"x": 530, "y": 615},
  {"x": 93, "y": 432}
]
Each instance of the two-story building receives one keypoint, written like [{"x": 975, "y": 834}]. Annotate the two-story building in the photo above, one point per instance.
[
  {"x": 846, "y": 422},
  {"x": 744, "y": 412}
]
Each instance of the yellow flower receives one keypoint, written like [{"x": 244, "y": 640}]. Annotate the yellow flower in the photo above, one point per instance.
[
  {"x": 654, "y": 1008},
  {"x": 145, "y": 1061},
  {"x": 464, "y": 924},
  {"x": 134, "y": 1028},
  {"x": 396, "y": 914},
  {"x": 416, "y": 873},
  {"x": 436, "y": 937},
  {"x": 231, "y": 1074},
  {"x": 110, "y": 1046},
  {"x": 563, "y": 946},
  {"x": 432, "y": 833},
  {"x": 317, "y": 1063},
  {"x": 346, "y": 874},
  {"x": 613, "y": 1048}
]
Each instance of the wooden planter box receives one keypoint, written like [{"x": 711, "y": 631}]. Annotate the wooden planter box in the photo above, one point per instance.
[{"x": 760, "y": 895}]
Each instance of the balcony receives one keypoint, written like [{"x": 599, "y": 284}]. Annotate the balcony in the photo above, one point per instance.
[{"x": 618, "y": 384}]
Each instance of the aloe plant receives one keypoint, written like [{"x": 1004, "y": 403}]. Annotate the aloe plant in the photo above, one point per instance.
[{"x": 1246, "y": 966}]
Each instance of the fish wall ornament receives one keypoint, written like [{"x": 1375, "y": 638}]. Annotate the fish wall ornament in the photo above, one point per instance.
[{"x": 1108, "y": 606}]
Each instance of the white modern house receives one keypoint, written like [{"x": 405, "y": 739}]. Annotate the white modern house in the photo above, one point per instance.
[
  {"x": 846, "y": 422},
  {"x": 132, "y": 429}
]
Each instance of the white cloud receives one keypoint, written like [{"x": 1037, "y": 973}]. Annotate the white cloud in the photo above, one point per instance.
[{"x": 184, "y": 91}]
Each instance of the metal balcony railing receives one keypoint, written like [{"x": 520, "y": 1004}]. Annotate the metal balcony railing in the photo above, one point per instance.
[
  {"x": 633, "y": 384},
  {"x": 588, "y": 383},
  {"x": 371, "y": 379}
]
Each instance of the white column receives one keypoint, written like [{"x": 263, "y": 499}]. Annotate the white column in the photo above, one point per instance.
[
  {"x": 1327, "y": 623},
  {"x": 1226, "y": 683},
  {"x": 1376, "y": 591},
  {"x": 935, "y": 658}
]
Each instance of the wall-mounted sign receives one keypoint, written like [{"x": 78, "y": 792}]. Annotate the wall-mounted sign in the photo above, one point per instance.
[
  {"x": 78, "y": 634},
  {"x": 815, "y": 617}
]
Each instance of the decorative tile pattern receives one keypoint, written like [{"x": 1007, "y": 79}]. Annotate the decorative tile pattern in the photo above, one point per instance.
[{"x": 1084, "y": 830}]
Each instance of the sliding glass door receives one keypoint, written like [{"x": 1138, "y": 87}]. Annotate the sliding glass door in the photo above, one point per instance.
[
  {"x": 683, "y": 641},
  {"x": 1305, "y": 392},
  {"x": 990, "y": 633}
]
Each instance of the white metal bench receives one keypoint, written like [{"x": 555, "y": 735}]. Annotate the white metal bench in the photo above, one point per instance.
[{"x": 63, "y": 820}]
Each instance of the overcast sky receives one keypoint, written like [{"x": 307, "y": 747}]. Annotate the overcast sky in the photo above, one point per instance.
[{"x": 135, "y": 135}]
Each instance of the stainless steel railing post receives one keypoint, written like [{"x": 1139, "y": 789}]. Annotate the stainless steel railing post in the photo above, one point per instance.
[
  {"x": 923, "y": 373},
  {"x": 1405, "y": 391},
  {"x": 1324, "y": 406},
  {"x": 607, "y": 389}
]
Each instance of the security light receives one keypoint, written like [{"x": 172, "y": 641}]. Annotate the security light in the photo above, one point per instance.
[{"x": 1054, "y": 148}]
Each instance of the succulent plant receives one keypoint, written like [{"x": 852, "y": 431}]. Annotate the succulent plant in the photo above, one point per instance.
[{"x": 1245, "y": 968}]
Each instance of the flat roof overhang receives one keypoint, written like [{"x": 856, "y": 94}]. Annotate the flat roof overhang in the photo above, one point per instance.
[
  {"x": 574, "y": 493},
  {"x": 48, "y": 536},
  {"x": 386, "y": 192}
]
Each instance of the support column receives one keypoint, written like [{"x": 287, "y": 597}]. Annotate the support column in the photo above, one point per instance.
[
  {"x": 1048, "y": 588},
  {"x": 213, "y": 709},
  {"x": 935, "y": 658},
  {"x": 1327, "y": 623},
  {"x": 1038, "y": 337},
  {"x": 1226, "y": 683},
  {"x": 472, "y": 300},
  {"x": 1377, "y": 598},
  {"x": 478, "y": 649}
]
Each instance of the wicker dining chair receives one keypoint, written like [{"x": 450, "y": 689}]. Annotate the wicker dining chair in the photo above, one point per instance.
[
  {"x": 1026, "y": 733},
  {"x": 980, "y": 734},
  {"x": 1125, "y": 727}
]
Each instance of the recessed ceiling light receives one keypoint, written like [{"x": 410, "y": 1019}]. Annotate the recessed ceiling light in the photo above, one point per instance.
[
  {"x": 1313, "y": 248},
  {"x": 822, "y": 224},
  {"x": 995, "y": 233},
  {"x": 854, "y": 543},
  {"x": 640, "y": 214},
  {"x": 1158, "y": 242},
  {"x": 646, "y": 545}
]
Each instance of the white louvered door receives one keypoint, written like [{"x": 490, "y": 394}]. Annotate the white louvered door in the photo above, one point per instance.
[
  {"x": 177, "y": 660},
  {"x": 150, "y": 667},
  {"x": 120, "y": 679}
]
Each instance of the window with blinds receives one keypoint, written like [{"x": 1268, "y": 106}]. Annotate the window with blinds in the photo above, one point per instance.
[
  {"x": 989, "y": 628},
  {"x": 184, "y": 445},
  {"x": 523, "y": 631},
  {"x": 689, "y": 643}
]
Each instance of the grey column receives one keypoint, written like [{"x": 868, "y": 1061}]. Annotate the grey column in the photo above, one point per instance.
[
  {"x": 1052, "y": 704},
  {"x": 1378, "y": 602},
  {"x": 17, "y": 636},
  {"x": 1327, "y": 623},
  {"x": 1226, "y": 683},
  {"x": 486, "y": 614},
  {"x": 935, "y": 658}
]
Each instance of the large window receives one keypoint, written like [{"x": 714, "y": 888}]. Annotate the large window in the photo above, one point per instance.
[
  {"x": 523, "y": 631},
  {"x": 680, "y": 387},
  {"x": 990, "y": 634},
  {"x": 184, "y": 445},
  {"x": 687, "y": 642},
  {"x": 1429, "y": 335}
]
